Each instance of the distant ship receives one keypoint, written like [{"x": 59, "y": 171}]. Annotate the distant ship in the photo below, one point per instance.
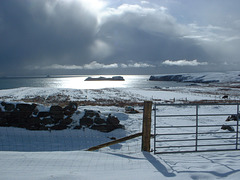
[{"x": 114, "y": 78}]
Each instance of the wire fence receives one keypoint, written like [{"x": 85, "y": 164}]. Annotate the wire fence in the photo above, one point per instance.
[{"x": 19, "y": 139}]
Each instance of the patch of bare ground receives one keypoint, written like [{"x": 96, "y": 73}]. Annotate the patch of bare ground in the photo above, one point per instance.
[
  {"x": 98, "y": 102},
  {"x": 57, "y": 99}
]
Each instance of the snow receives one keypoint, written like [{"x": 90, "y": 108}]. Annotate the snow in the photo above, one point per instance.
[
  {"x": 231, "y": 76},
  {"x": 104, "y": 166},
  {"x": 62, "y": 154}
]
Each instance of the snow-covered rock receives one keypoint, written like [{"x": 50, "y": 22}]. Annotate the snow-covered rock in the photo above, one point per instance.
[{"x": 29, "y": 116}]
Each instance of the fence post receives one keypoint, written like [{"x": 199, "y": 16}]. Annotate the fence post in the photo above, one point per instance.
[{"x": 146, "y": 127}]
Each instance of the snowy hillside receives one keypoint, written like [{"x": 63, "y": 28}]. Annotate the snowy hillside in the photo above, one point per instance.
[{"x": 233, "y": 76}]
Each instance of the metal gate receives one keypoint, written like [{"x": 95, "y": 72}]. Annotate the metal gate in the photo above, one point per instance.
[{"x": 180, "y": 128}]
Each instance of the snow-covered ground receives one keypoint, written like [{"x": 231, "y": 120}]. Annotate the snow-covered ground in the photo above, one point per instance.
[
  {"x": 112, "y": 166},
  {"x": 221, "y": 77},
  {"x": 61, "y": 154}
]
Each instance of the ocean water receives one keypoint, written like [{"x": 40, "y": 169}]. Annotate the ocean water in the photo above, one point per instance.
[{"x": 77, "y": 82}]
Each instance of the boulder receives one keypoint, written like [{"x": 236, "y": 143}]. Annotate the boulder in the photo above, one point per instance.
[
  {"x": 86, "y": 121},
  {"x": 225, "y": 97},
  {"x": 93, "y": 120},
  {"x": 130, "y": 110},
  {"x": 33, "y": 123},
  {"x": 26, "y": 107},
  {"x": 43, "y": 114},
  {"x": 46, "y": 120},
  {"x": 70, "y": 108},
  {"x": 91, "y": 113},
  {"x": 227, "y": 127},
  {"x": 8, "y": 106},
  {"x": 4, "y": 116},
  {"x": 98, "y": 120},
  {"x": 233, "y": 117},
  {"x": 66, "y": 121},
  {"x": 113, "y": 120},
  {"x": 56, "y": 112}
]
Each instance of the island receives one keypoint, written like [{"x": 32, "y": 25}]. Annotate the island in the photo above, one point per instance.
[{"x": 114, "y": 78}]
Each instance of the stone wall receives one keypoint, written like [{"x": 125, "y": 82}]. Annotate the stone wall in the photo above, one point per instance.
[{"x": 54, "y": 118}]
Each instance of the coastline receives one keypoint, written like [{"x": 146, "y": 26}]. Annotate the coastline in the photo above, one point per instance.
[{"x": 123, "y": 96}]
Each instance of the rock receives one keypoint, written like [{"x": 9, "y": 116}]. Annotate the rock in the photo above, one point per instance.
[
  {"x": 8, "y": 106},
  {"x": 227, "y": 127},
  {"x": 46, "y": 121},
  {"x": 85, "y": 121},
  {"x": 225, "y": 97},
  {"x": 28, "y": 116},
  {"x": 21, "y": 114},
  {"x": 4, "y": 116},
  {"x": 98, "y": 120},
  {"x": 56, "y": 112},
  {"x": 66, "y": 121},
  {"x": 33, "y": 123},
  {"x": 233, "y": 117},
  {"x": 55, "y": 109},
  {"x": 130, "y": 110},
  {"x": 26, "y": 107},
  {"x": 91, "y": 113},
  {"x": 43, "y": 114},
  {"x": 113, "y": 120},
  {"x": 71, "y": 108}
]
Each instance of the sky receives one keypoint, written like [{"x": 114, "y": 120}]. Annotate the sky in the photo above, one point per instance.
[{"x": 118, "y": 36}]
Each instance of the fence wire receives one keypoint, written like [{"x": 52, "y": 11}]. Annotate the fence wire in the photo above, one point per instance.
[{"x": 19, "y": 139}]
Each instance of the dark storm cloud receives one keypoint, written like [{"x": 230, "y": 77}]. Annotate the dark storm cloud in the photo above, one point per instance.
[
  {"x": 42, "y": 32},
  {"x": 101, "y": 36}
]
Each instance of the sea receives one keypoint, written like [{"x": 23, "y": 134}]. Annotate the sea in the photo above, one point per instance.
[{"x": 77, "y": 82}]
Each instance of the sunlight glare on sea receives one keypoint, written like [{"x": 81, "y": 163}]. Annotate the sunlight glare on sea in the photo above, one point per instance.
[{"x": 79, "y": 83}]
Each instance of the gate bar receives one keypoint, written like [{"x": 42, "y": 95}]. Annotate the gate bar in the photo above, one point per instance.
[
  {"x": 196, "y": 136},
  {"x": 155, "y": 126},
  {"x": 237, "y": 126}
]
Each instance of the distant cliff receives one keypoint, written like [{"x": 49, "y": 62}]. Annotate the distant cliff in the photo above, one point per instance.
[{"x": 210, "y": 77}]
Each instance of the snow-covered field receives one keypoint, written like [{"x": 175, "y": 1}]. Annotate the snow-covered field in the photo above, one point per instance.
[{"x": 61, "y": 154}]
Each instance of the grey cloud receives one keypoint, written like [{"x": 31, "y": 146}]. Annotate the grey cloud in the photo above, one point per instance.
[
  {"x": 146, "y": 34},
  {"x": 39, "y": 32},
  {"x": 67, "y": 36}
]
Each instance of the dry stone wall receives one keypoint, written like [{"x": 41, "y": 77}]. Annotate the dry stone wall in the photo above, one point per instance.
[{"x": 55, "y": 117}]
